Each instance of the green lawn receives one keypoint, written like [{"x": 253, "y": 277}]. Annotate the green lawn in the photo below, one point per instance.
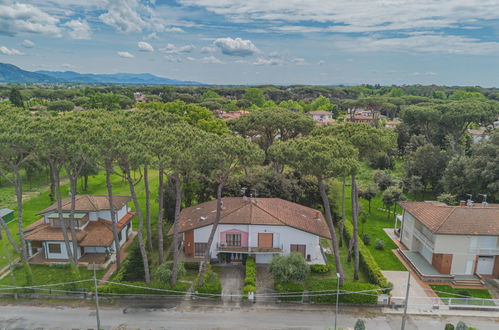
[
  {"x": 459, "y": 295},
  {"x": 96, "y": 186},
  {"x": 348, "y": 267}
]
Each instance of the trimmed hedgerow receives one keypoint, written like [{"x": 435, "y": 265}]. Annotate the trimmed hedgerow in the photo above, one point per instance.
[
  {"x": 367, "y": 262},
  {"x": 349, "y": 298},
  {"x": 295, "y": 290},
  {"x": 250, "y": 278},
  {"x": 321, "y": 269}
]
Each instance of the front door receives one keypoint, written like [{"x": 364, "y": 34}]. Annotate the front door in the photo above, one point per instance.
[
  {"x": 299, "y": 248},
  {"x": 189, "y": 243},
  {"x": 469, "y": 267},
  {"x": 265, "y": 240},
  {"x": 485, "y": 265}
]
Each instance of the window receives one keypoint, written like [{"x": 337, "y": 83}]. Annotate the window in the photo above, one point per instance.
[
  {"x": 119, "y": 236},
  {"x": 200, "y": 249},
  {"x": 233, "y": 239},
  {"x": 298, "y": 248},
  {"x": 54, "y": 248}
]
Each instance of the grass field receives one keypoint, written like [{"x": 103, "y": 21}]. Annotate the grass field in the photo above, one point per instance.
[{"x": 460, "y": 296}]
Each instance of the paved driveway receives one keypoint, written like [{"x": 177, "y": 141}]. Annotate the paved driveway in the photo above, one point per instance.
[
  {"x": 264, "y": 283},
  {"x": 232, "y": 279},
  {"x": 419, "y": 296}
]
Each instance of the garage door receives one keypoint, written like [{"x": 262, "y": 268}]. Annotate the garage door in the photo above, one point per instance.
[
  {"x": 265, "y": 240},
  {"x": 485, "y": 265}
]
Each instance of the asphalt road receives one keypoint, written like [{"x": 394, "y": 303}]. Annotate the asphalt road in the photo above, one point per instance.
[{"x": 30, "y": 317}]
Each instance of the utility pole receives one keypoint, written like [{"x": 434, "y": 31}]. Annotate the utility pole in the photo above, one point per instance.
[
  {"x": 96, "y": 301},
  {"x": 406, "y": 300},
  {"x": 338, "y": 276},
  {"x": 11, "y": 271}
]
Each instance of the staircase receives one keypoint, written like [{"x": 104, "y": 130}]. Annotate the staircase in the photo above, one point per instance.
[{"x": 467, "y": 281}]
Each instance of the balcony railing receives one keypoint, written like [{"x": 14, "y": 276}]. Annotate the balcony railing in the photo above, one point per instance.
[
  {"x": 486, "y": 251},
  {"x": 423, "y": 239},
  {"x": 222, "y": 247}
]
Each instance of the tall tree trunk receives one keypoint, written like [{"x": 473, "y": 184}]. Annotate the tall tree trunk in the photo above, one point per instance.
[
  {"x": 85, "y": 182},
  {"x": 206, "y": 258},
  {"x": 72, "y": 182},
  {"x": 148, "y": 207},
  {"x": 52, "y": 183},
  {"x": 161, "y": 202},
  {"x": 19, "y": 196},
  {"x": 142, "y": 248},
  {"x": 329, "y": 220},
  {"x": 9, "y": 235},
  {"x": 369, "y": 203},
  {"x": 342, "y": 222},
  {"x": 55, "y": 174},
  {"x": 355, "y": 212},
  {"x": 178, "y": 201},
  {"x": 113, "y": 215}
]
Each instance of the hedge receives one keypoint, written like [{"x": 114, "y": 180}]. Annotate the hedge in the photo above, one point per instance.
[
  {"x": 367, "y": 261},
  {"x": 142, "y": 288},
  {"x": 349, "y": 298},
  {"x": 250, "y": 278},
  {"x": 321, "y": 269},
  {"x": 191, "y": 265},
  {"x": 289, "y": 287}
]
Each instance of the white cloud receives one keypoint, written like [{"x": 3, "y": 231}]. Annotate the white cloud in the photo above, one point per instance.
[
  {"x": 424, "y": 73},
  {"x": 151, "y": 36},
  {"x": 172, "y": 29},
  {"x": 28, "y": 43},
  {"x": 359, "y": 15},
  {"x": 268, "y": 61},
  {"x": 145, "y": 46},
  {"x": 171, "y": 58},
  {"x": 236, "y": 47},
  {"x": 9, "y": 51},
  {"x": 125, "y": 55},
  {"x": 78, "y": 29},
  {"x": 299, "y": 61},
  {"x": 211, "y": 60},
  {"x": 173, "y": 49},
  {"x": 16, "y": 18},
  {"x": 429, "y": 43},
  {"x": 208, "y": 50},
  {"x": 189, "y": 58}
]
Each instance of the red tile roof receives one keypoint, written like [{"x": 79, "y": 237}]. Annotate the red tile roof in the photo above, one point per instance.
[
  {"x": 259, "y": 211},
  {"x": 443, "y": 219},
  {"x": 89, "y": 203}
]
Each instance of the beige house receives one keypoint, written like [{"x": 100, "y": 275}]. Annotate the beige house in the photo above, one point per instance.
[{"x": 456, "y": 243}]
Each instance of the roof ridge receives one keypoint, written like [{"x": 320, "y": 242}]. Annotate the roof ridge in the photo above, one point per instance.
[
  {"x": 447, "y": 217},
  {"x": 234, "y": 210},
  {"x": 90, "y": 198},
  {"x": 272, "y": 215}
]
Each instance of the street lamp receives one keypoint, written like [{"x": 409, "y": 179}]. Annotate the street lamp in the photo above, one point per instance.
[{"x": 338, "y": 276}]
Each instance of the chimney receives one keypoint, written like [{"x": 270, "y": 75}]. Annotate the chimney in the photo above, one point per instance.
[
  {"x": 317, "y": 215},
  {"x": 462, "y": 203}
]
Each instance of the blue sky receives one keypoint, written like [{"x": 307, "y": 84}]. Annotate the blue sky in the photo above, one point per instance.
[{"x": 452, "y": 42}]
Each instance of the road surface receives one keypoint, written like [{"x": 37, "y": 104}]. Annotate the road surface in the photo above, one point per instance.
[{"x": 58, "y": 317}]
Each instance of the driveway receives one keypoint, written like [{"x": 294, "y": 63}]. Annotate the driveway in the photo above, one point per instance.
[
  {"x": 264, "y": 283},
  {"x": 232, "y": 279},
  {"x": 419, "y": 296}
]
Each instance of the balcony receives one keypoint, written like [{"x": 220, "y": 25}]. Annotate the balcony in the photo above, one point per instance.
[
  {"x": 221, "y": 247},
  {"x": 423, "y": 239}
]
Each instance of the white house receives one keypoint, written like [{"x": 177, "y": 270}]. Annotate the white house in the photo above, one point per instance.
[
  {"x": 259, "y": 227},
  {"x": 93, "y": 227},
  {"x": 448, "y": 242}
]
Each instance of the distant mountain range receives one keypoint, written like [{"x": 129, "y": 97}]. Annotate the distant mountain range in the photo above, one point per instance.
[{"x": 12, "y": 74}]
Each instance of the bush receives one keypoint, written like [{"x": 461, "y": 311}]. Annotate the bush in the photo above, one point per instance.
[
  {"x": 211, "y": 283},
  {"x": 349, "y": 298},
  {"x": 295, "y": 290},
  {"x": 134, "y": 268},
  {"x": 248, "y": 288},
  {"x": 461, "y": 326},
  {"x": 321, "y": 269},
  {"x": 380, "y": 244},
  {"x": 367, "y": 262},
  {"x": 289, "y": 268},
  {"x": 250, "y": 278},
  {"x": 360, "y": 325},
  {"x": 449, "y": 326},
  {"x": 165, "y": 270},
  {"x": 366, "y": 238},
  {"x": 142, "y": 288},
  {"x": 191, "y": 265}
]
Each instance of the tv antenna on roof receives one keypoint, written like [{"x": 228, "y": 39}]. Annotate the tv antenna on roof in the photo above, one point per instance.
[
  {"x": 469, "y": 202},
  {"x": 484, "y": 202},
  {"x": 243, "y": 190}
]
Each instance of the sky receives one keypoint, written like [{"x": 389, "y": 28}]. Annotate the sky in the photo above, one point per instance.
[{"x": 319, "y": 42}]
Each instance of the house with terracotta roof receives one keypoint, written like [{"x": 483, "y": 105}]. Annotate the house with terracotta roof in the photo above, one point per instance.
[
  {"x": 322, "y": 117},
  {"x": 259, "y": 227},
  {"x": 451, "y": 243},
  {"x": 93, "y": 225}
]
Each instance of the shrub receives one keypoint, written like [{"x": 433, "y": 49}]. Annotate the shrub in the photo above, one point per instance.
[
  {"x": 461, "y": 326},
  {"x": 321, "y": 269},
  {"x": 449, "y": 326},
  {"x": 366, "y": 239},
  {"x": 380, "y": 244},
  {"x": 250, "y": 278},
  {"x": 191, "y": 265},
  {"x": 349, "y": 298},
  {"x": 165, "y": 270},
  {"x": 248, "y": 288},
  {"x": 211, "y": 283},
  {"x": 295, "y": 291},
  {"x": 367, "y": 262},
  {"x": 360, "y": 325},
  {"x": 289, "y": 268},
  {"x": 134, "y": 268}
]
